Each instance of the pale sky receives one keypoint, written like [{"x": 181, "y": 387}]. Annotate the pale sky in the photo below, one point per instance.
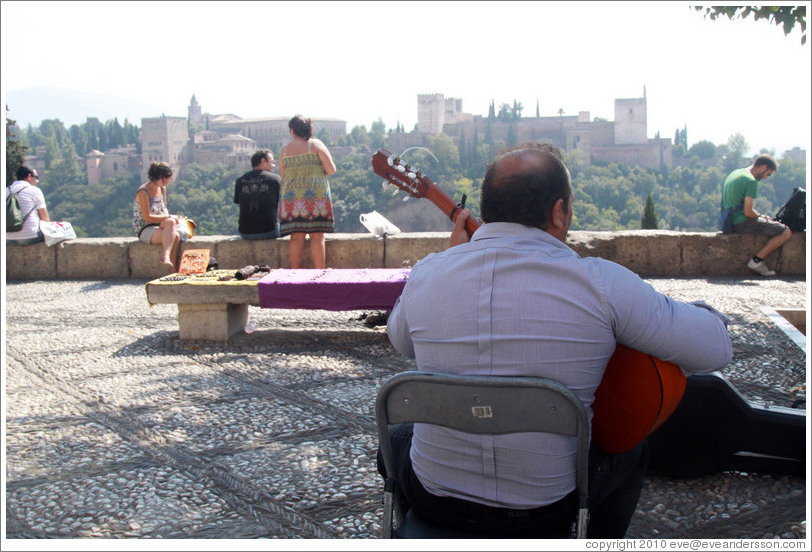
[{"x": 360, "y": 61}]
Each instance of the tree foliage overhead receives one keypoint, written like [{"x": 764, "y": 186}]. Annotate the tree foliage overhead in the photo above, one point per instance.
[{"x": 783, "y": 16}]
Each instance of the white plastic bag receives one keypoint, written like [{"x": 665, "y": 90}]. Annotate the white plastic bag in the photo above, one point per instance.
[
  {"x": 378, "y": 225},
  {"x": 186, "y": 228},
  {"x": 55, "y": 231}
]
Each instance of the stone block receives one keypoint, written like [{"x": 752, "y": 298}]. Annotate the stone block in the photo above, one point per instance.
[
  {"x": 706, "y": 254},
  {"x": 649, "y": 252},
  {"x": 145, "y": 260},
  {"x": 405, "y": 249},
  {"x": 94, "y": 258},
  {"x": 31, "y": 262},
  {"x": 213, "y": 322},
  {"x": 268, "y": 252},
  {"x": 646, "y": 252},
  {"x": 210, "y": 292},
  {"x": 593, "y": 244},
  {"x": 235, "y": 252},
  {"x": 792, "y": 256},
  {"x": 349, "y": 251}
]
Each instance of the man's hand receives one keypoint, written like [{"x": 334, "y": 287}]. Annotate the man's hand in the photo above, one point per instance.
[{"x": 459, "y": 235}]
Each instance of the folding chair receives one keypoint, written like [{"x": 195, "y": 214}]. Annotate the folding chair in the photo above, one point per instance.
[{"x": 482, "y": 405}]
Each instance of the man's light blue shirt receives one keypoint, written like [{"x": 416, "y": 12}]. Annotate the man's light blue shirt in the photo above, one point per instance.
[{"x": 517, "y": 301}]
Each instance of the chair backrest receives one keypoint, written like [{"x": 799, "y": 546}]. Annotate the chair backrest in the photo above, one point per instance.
[{"x": 484, "y": 405}]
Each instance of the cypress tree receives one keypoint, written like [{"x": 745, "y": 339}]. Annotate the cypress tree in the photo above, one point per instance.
[{"x": 650, "y": 220}]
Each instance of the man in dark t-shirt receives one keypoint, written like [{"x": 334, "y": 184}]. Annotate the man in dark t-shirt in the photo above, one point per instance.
[{"x": 257, "y": 194}]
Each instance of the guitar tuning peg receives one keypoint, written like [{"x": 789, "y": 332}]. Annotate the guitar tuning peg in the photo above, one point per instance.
[
  {"x": 412, "y": 175},
  {"x": 406, "y": 198},
  {"x": 395, "y": 191},
  {"x": 384, "y": 184},
  {"x": 391, "y": 160},
  {"x": 401, "y": 168}
]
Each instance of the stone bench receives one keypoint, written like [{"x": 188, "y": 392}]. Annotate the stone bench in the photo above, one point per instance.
[{"x": 211, "y": 308}]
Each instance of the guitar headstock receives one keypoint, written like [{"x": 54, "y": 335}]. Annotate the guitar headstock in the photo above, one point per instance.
[{"x": 401, "y": 174}]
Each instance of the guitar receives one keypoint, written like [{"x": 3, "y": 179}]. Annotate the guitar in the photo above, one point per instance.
[{"x": 638, "y": 391}]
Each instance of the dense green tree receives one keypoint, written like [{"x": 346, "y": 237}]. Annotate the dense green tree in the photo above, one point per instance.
[
  {"x": 516, "y": 111},
  {"x": 377, "y": 134},
  {"x": 511, "y": 135},
  {"x": 732, "y": 153},
  {"x": 80, "y": 140},
  {"x": 324, "y": 136},
  {"x": 704, "y": 149},
  {"x": 358, "y": 136},
  {"x": 650, "y": 220},
  {"x": 448, "y": 157},
  {"x": 15, "y": 150},
  {"x": 505, "y": 113}
]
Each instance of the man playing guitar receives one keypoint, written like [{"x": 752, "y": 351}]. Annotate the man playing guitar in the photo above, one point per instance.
[{"x": 511, "y": 300}]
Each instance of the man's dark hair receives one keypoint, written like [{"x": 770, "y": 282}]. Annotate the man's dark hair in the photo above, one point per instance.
[
  {"x": 527, "y": 195},
  {"x": 22, "y": 172},
  {"x": 258, "y": 156},
  {"x": 766, "y": 159}
]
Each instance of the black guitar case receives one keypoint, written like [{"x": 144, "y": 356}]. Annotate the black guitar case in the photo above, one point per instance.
[{"x": 716, "y": 429}]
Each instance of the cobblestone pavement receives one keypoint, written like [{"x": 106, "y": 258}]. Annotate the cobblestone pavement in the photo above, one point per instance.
[{"x": 116, "y": 429}]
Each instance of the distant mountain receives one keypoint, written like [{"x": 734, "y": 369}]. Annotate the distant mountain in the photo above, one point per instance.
[{"x": 33, "y": 104}]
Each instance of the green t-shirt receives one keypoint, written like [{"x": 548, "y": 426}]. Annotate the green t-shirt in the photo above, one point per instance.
[{"x": 738, "y": 185}]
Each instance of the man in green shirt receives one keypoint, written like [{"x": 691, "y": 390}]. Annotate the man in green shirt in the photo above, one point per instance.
[{"x": 740, "y": 189}]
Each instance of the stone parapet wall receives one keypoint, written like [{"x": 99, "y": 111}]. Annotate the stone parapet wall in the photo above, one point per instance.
[{"x": 646, "y": 252}]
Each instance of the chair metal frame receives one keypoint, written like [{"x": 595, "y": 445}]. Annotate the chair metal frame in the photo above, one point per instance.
[{"x": 482, "y": 405}]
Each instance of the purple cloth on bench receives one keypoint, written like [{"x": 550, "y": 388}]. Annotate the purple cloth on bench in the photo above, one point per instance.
[{"x": 332, "y": 289}]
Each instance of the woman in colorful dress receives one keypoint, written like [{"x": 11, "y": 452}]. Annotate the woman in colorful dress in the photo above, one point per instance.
[
  {"x": 305, "y": 205},
  {"x": 152, "y": 222}
]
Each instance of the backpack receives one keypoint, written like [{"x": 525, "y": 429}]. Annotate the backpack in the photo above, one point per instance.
[
  {"x": 793, "y": 212},
  {"x": 14, "y": 214}
]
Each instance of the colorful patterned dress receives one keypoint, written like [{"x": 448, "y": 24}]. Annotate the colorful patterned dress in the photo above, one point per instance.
[{"x": 305, "y": 203}]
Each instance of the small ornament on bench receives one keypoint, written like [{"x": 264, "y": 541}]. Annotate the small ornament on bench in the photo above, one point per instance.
[{"x": 194, "y": 261}]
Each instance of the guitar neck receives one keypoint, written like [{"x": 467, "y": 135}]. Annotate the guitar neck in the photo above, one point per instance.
[
  {"x": 447, "y": 206},
  {"x": 416, "y": 184}
]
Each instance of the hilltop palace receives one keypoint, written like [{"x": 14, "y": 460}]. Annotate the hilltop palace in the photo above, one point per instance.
[{"x": 207, "y": 139}]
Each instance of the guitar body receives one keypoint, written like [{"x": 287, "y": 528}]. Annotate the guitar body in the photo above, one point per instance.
[{"x": 637, "y": 394}]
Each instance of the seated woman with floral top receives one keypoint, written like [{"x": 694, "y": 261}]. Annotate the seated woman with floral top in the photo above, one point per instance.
[{"x": 151, "y": 219}]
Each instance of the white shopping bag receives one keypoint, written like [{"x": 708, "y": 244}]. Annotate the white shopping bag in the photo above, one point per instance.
[
  {"x": 56, "y": 232},
  {"x": 378, "y": 225}
]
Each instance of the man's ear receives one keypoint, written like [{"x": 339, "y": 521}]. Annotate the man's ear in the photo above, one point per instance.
[{"x": 558, "y": 217}]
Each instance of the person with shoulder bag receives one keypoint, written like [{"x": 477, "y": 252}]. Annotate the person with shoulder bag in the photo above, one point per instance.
[
  {"x": 31, "y": 202},
  {"x": 738, "y": 196}
]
